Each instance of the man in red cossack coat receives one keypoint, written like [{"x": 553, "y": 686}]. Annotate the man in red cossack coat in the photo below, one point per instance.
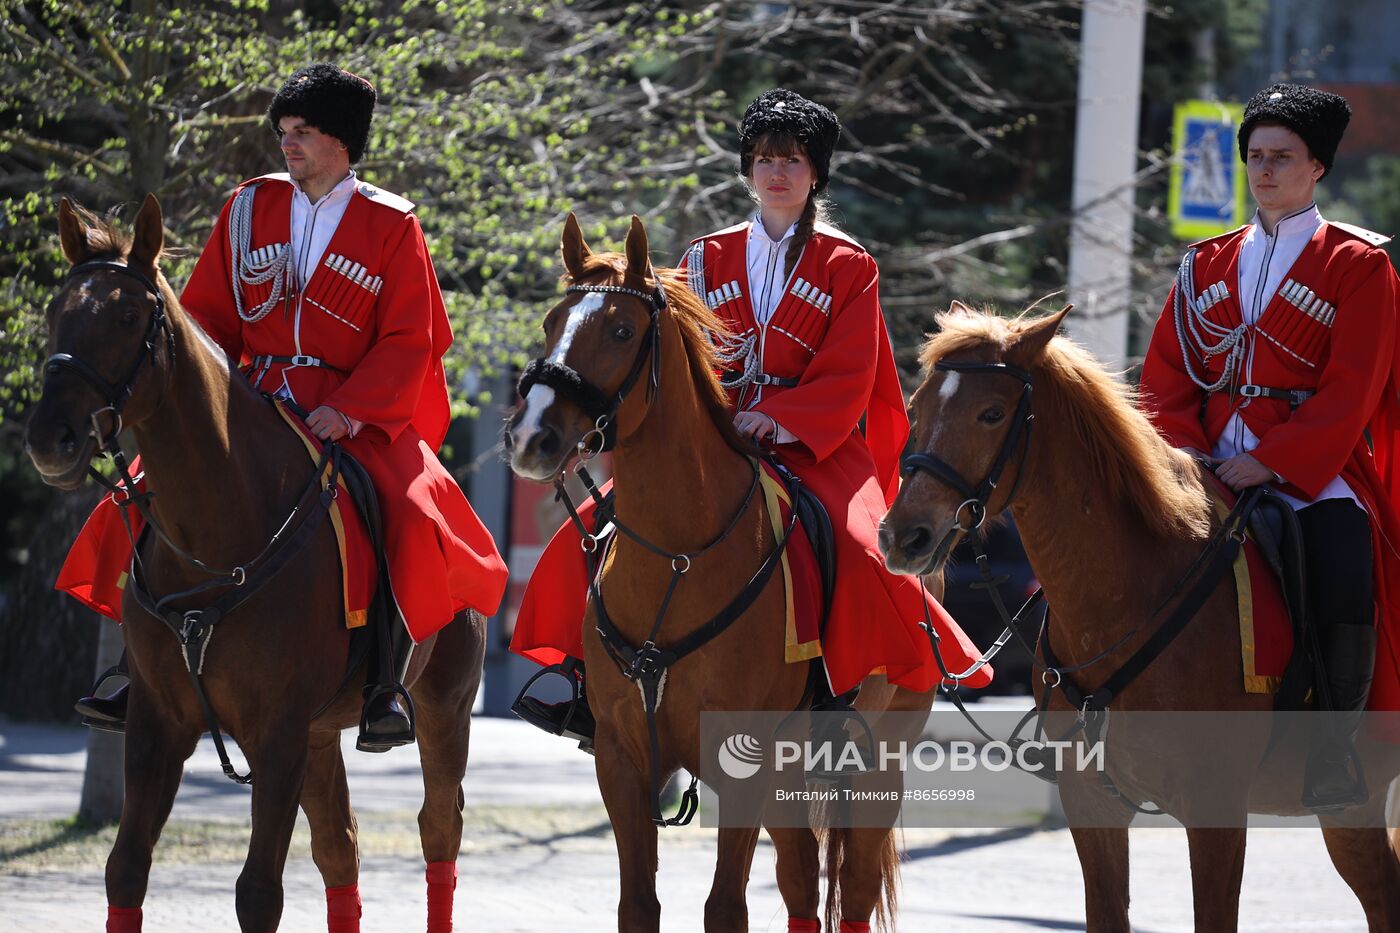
[
  {"x": 1274, "y": 359},
  {"x": 319, "y": 285}
]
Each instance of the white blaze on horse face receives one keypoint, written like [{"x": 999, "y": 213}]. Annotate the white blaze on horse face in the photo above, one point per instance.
[
  {"x": 945, "y": 394},
  {"x": 540, "y": 397},
  {"x": 590, "y": 304},
  {"x": 949, "y": 386},
  {"x": 537, "y": 401}
]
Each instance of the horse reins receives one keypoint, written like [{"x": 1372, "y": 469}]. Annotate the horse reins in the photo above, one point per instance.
[
  {"x": 648, "y": 665},
  {"x": 1093, "y": 706},
  {"x": 192, "y": 627}
]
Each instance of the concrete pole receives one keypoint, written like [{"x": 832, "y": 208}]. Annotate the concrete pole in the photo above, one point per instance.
[
  {"x": 1105, "y": 159},
  {"x": 105, "y": 770}
]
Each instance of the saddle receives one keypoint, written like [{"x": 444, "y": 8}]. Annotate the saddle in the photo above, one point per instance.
[
  {"x": 812, "y": 517},
  {"x": 1273, "y": 526}
]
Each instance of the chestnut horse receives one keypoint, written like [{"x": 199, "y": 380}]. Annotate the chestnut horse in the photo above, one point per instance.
[
  {"x": 224, "y": 471},
  {"x": 681, "y": 476},
  {"x": 1112, "y": 517}
]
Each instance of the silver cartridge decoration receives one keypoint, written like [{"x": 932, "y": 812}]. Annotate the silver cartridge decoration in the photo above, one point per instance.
[
  {"x": 812, "y": 295},
  {"x": 1302, "y": 332},
  {"x": 725, "y": 294},
  {"x": 1211, "y": 305}
]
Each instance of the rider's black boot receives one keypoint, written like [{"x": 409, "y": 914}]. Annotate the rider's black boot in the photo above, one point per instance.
[
  {"x": 570, "y": 718},
  {"x": 387, "y": 720},
  {"x": 106, "y": 713},
  {"x": 1332, "y": 778}
]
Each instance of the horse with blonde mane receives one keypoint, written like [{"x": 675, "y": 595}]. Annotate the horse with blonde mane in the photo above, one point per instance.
[
  {"x": 683, "y": 482},
  {"x": 1113, "y": 518}
]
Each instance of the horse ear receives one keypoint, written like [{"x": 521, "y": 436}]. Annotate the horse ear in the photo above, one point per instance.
[
  {"x": 72, "y": 233},
  {"x": 957, "y": 307},
  {"x": 573, "y": 247},
  {"x": 1031, "y": 342},
  {"x": 149, "y": 236},
  {"x": 638, "y": 253}
]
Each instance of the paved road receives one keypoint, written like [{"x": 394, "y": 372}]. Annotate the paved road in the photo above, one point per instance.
[{"x": 542, "y": 879}]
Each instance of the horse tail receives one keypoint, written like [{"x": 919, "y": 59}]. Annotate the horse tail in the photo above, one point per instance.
[{"x": 832, "y": 843}]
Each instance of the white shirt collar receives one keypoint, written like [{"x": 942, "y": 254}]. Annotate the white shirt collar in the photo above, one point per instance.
[
  {"x": 760, "y": 232},
  {"x": 1304, "y": 220},
  {"x": 341, "y": 192}
]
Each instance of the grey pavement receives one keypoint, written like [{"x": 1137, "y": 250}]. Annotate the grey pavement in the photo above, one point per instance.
[{"x": 974, "y": 881}]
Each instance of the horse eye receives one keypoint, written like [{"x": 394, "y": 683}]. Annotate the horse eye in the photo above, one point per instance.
[
  {"x": 129, "y": 316},
  {"x": 623, "y": 333},
  {"x": 991, "y": 416}
]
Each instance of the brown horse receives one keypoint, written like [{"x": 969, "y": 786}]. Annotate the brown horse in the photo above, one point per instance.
[
  {"x": 1112, "y": 517},
  {"x": 225, "y": 470},
  {"x": 682, "y": 474}
]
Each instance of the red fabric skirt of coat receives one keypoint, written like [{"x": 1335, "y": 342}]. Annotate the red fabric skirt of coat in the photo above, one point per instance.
[
  {"x": 875, "y": 616},
  {"x": 441, "y": 557}
]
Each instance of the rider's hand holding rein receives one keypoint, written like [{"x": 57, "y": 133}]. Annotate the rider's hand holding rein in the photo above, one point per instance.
[
  {"x": 1242, "y": 471},
  {"x": 328, "y": 424},
  {"x": 756, "y": 426}
]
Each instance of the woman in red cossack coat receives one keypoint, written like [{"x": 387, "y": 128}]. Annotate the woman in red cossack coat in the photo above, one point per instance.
[
  {"x": 1274, "y": 361},
  {"x": 818, "y": 383}
]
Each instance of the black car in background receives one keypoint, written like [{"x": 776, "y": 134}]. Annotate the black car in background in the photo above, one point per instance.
[{"x": 973, "y": 609}]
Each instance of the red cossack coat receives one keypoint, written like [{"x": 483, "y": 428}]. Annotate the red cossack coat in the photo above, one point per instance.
[
  {"x": 848, "y": 415},
  {"x": 1342, "y": 345},
  {"x": 373, "y": 313}
]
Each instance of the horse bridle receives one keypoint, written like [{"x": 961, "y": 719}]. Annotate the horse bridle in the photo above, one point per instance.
[
  {"x": 573, "y": 386},
  {"x": 975, "y": 498},
  {"x": 116, "y": 395}
]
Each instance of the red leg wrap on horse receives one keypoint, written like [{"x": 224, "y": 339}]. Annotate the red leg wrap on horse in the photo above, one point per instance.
[
  {"x": 123, "y": 920},
  {"x": 803, "y": 925},
  {"x": 343, "y": 909},
  {"x": 442, "y": 881},
  {"x": 854, "y": 926}
]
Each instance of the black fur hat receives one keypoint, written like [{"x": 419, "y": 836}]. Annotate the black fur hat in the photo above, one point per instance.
[
  {"x": 1317, "y": 116},
  {"x": 788, "y": 113},
  {"x": 331, "y": 99}
]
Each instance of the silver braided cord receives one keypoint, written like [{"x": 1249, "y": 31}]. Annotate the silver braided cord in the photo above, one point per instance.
[
  {"x": 1211, "y": 338},
  {"x": 245, "y": 271},
  {"x": 728, "y": 347}
]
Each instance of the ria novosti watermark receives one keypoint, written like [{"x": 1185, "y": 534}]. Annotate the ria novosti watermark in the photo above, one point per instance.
[
  {"x": 741, "y": 756},
  {"x": 934, "y": 770}
]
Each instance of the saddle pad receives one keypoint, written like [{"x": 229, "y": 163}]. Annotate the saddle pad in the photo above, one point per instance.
[
  {"x": 1266, "y": 633},
  {"x": 96, "y": 570},
  {"x": 802, "y": 584}
]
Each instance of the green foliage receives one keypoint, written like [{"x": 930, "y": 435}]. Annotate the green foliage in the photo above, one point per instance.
[
  {"x": 495, "y": 118},
  {"x": 1379, "y": 193}
]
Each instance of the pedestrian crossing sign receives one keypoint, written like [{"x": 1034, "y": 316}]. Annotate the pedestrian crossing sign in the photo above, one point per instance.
[{"x": 1207, "y": 192}]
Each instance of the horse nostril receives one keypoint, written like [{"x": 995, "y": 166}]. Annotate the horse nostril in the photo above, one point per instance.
[
  {"x": 508, "y": 441},
  {"x": 68, "y": 441},
  {"x": 546, "y": 441},
  {"x": 917, "y": 541}
]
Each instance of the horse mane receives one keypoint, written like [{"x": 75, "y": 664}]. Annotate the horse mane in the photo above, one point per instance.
[
  {"x": 104, "y": 238},
  {"x": 696, "y": 322},
  {"x": 1124, "y": 454}
]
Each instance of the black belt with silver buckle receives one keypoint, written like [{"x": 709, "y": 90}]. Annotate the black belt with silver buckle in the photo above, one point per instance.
[
  {"x": 300, "y": 359},
  {"x": 1294, "y": 397},
  {"x": 763, "y": 379}
]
